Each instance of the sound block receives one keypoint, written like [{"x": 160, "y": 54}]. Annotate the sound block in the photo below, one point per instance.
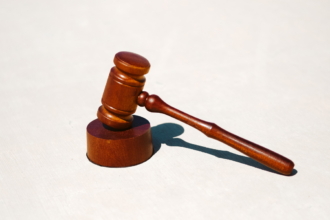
[{"x": 112, "y": 148}]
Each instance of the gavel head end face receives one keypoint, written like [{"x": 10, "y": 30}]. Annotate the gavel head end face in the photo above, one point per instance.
[{"x": 132, "y": 63}]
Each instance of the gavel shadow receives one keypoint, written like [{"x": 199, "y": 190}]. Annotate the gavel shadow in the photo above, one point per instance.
[{"x": 166, "y": 133}]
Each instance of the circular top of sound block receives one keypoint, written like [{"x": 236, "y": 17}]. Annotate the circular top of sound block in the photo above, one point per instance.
[
  {"x": 139, "y": 126},
  {"x": 132, "y": 63}
]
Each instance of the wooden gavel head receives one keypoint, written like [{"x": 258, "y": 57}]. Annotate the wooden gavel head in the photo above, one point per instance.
[{"x": 125, "y": 82}]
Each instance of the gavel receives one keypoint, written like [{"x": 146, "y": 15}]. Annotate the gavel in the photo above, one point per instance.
[{"x": 117, "y": 138}]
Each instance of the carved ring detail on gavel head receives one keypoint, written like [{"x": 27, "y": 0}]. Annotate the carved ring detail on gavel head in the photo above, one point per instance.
[{"x": 125, "y": 82}]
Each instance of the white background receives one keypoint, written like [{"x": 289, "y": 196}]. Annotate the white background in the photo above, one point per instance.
[{"x": 260, "y": 69}]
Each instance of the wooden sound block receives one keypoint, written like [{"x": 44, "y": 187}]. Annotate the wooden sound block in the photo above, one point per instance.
[{"x": 113, "y": 148}]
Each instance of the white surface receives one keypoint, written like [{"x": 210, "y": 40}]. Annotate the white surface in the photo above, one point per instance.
[{"x": 260, "y": 69}]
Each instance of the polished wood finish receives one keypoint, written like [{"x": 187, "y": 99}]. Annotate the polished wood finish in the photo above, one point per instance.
[
  {"x": 132, "y": 63},
  {"x": 263, "y": 155},
  {"x": 119, "y": 145},
  {"x": 115, "y": 139},
  {"x": 112, "y": 148},
  {"x": 125, "y": 83}
]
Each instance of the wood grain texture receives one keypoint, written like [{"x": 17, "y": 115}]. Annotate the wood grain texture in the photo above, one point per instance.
[
  {"x": 132, "y": 63},
  {"x": 261, "y": 154},
  {"x": 124, "y": 84},
  {"x": 112, "y": 148},
  {"x": 123, "y": 92}
]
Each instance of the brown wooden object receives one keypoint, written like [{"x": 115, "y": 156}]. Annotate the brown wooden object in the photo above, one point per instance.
[
  {"x": 115, "y": 139},
  {"x": 125, "y": 83},
  {"x": 112, "y": 148},
  {"x": 263, "y": 155},
  {"x": 118, "y": 142}
]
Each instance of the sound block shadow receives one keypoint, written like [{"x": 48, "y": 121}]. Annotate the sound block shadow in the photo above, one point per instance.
[{"x": 166, "y": 133}]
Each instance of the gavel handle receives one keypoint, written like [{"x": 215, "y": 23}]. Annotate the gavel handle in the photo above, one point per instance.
[{"x": 263, "y": 155}]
